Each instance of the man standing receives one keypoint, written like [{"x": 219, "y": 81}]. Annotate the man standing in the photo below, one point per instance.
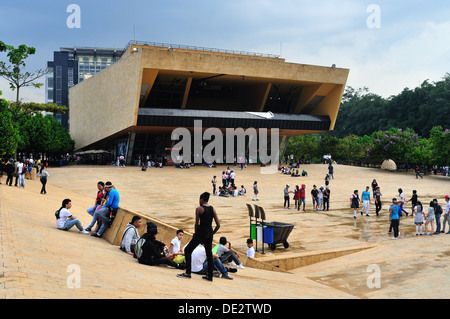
[
  {"x": 286, "y": 196},
  {"x": 204, "y": 215},
  {"x": 109, "y": 209},
  {"x": 330, "y": 170},
  {"x": 446, "y": 215},
  {"x": 314, "y": 195},
  {"x": 437, "y": 214},
  {"x": 394, "y": 217},
  {"x": 365, "y": 200},
  {"x": 302, "y": 197}
]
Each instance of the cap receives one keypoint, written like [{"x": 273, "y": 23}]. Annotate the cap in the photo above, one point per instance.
[
  {"x": 249, "y": 241},
  {"x": 152, "y": 228},
  {"x": 446, "y": 196},
  {"x": 287, "y": 185}
]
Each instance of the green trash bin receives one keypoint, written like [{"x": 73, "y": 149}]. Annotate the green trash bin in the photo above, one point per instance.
[{"x": 253, "y": 231}]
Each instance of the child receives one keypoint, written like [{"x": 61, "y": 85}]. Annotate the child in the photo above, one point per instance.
[
  {"x": 430, "y": 219},
  {"x": 250, "y": 248},
  {"x": 394, "y": 217},
  {"x": 354, "y": 202},
  {"x": 418, "y": 220}
]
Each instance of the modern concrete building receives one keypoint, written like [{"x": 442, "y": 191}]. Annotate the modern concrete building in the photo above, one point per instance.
[
  {"x": 71, "y": 66},
  {"x": 133, "y": 106}
]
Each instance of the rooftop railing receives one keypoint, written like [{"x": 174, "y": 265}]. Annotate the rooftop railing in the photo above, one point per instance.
[{"x": 197, "y": 48}]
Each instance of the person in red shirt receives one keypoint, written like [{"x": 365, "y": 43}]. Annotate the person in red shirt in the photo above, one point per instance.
[{"x": 302, "y": 196}]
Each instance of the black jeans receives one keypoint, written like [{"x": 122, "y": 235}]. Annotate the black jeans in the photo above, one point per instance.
[
  {"x": 377, "y": 207},
  {"x": 394, "y": 225},
  {"x": 286, "y": 200},
  {"x": 196, "y": 240},
  {"x": 43, "y": 181}
]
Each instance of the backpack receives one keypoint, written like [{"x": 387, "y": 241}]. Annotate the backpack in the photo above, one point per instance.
[{"x": 138, "y": 247}]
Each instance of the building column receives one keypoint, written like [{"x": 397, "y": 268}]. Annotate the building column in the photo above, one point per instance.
[{"x": 129, "y": 155}]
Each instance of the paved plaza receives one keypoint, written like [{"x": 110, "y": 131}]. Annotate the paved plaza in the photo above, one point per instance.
[{"x": 37, "y": 260}]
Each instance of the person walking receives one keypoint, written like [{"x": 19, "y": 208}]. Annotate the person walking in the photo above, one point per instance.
[
  {"x": 401, "y": 197},
  {"x": 365, "y": 200},
  {"x": 296, "y": 196},
  {"x": 413, "y": 200},
  {"x": 377, "y": 195},
  {"x": 43, "y": 174},
  {"x": 314, "y": 196},
  {"x": 204, "y": 215},
  {"x": 394, "y": 217},
  {"x": 354, "y": 202}
]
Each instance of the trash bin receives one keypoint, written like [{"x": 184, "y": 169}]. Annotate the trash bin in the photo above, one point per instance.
[
  {"x": 268, "y": 235},
  {"x": 280, "y": 234},
  {"x": 253, "y": 231}
]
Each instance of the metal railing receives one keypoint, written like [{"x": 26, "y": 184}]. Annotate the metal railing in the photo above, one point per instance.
[{"x": 197, "y": 48}]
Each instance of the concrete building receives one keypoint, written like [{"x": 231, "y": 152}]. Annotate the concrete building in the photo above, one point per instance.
[
  {"x": 71, "y": 66},
  {"x": 133, "y": 106}
]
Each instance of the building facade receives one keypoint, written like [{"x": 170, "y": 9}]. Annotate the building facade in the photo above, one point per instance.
[
  {"x": 132, "y": 107},
  {"x": 71, "y": 66}
]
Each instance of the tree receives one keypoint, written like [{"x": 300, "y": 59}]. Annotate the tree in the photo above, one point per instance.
[
  {"x": 8, "y": 130},
  {"x": 440, "y": 146},
  {"x": 14, "y": 73}
]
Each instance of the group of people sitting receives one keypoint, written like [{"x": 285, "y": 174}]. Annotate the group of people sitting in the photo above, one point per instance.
[
  {"x": 150, "y": 251},
  {"x": 292, "y": 172},
  {"x": 231, "y": 190}
]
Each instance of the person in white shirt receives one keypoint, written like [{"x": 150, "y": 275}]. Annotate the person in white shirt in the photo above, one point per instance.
[
  {"x": 131, "y": 235},
  {"x": 65, "y": 220},
  {"x": 250, "y": 248},
  {"x": 446, "y": 215},
  {"x": 175, "y": 245}
]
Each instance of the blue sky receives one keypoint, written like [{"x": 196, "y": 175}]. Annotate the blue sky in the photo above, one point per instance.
[{"x": 411, "y": 45}]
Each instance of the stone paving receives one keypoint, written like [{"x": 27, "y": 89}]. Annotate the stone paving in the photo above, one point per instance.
[{"x": 39, "y": 261}]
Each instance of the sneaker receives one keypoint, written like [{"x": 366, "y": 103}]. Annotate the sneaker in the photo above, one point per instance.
[
  {"x": 448, "y": 233},
  {"x": 394, "y": 238},
  {"x": 84, "y": 231},
  {"x": 361, "y": 213},
  {"x": 232, "y": 263},
  {"x": 94, "y": 234},
  {"x": 227, "y": 277},
  {"x": 240, "y": 266},
  {"x": 207, "y": 278},
  {"x": 87, "y": 229},
  {"x": 367, "y": 215},
  {"x": 425, "y": 234}
]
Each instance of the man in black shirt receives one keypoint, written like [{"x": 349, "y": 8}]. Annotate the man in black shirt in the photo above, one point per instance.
[
  {"x": 314, "y": 195},
  {"x": 204, "y": 215}
]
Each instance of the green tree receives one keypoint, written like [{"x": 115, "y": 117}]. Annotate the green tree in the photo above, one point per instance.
[
  {"x": 440, "y": 146},
  {"x": 8, "y": 129}
]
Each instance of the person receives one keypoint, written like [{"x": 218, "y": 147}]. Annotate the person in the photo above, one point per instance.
[
  {"x": 437, "y": 215},
  {"x": 377, "y": 200},
  {"x": 250, "y": 248},
  {"x": 21, "y": 171},
  {"x": 130, "y": 235},
  {"x": 430, "y": 218},
  {"x": 9, "y": 172},
  {"x": 402, "y": 201},
  {"x": 365, "y": 200},
  {"x": 296, "y": 196},
  {"x": 255, "y": 191},
  {"x": 446, "y": 219},
  {"x": 326, "y": 197},
  {"x": 204, "y": 215},
  {"x": 320, "y": 198},
  {"x": 243, "y": 191},
  {"x": 286, "y": 196},
  {"x": 413, "y": 201},
  {"x": 394, "y": 217},
  {"x": 314, "y": 196},
  {"x": 175, "y": 248},
  {"x": 418, "y": 172},
  {"x": 354, "y": 202},
  {"x": 214, "y": 182},
  {"x": 302, "y": 197},
  {"x": 331, "y": 170},
  {"x": 228, "y": 254},
  {"x": 109, "y": 209},
  {"x": 305, "y": 174},
  {"x": 327, "y": 180},
  {"x": 43, "y": 174},
  {"x": 200, "y": 263},
  {"x": 374, "y": 187},
  {"x": 101, "y": 193},
  {"x": 65, "y": 220},
  {"x": 153, "y": 251},
  {"x": 418, "y": 219},
  {"x": 232, "y": 176}
]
